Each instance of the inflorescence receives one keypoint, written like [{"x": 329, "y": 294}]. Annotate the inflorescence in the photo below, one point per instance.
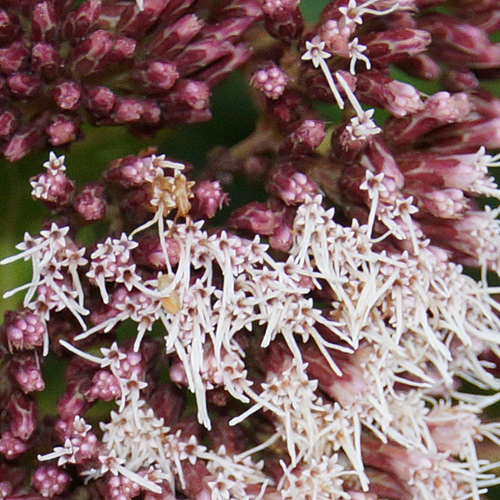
[{"x": 323, "y": 344}]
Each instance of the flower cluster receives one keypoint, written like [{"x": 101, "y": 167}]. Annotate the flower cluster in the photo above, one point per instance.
[
  {"x": 320, "y": 342},
  {"x": 143, "y": 65}
]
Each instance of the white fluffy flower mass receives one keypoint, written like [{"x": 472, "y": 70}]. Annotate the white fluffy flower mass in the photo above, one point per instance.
[{"x": 360, "y": 387}]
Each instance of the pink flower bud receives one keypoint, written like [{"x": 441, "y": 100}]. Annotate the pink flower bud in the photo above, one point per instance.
[
  {"x": 150, "y": 253},
  {"x": 208, "y": 199},
  {"x": 387, "y": 47},
  {"x": 22, "y": 142},
  {"x": 49, "y": 480},
  {"x": 270, "y": 80},
  {"x": 100, "y": 101},
  {"x": 156, "y": 76},
  {"x": 223, "y": 67},
  {"x": 283, "y": 19},
  {"x": 44, "y": 23},
  {"x": 305, "y": 138},
  {"x": 24, "y": 85},
  {"x": 105, "y": 386},
  {"x": 169, "y": 42},
  {"x": 87, "y": 56},
  {"x": 62, "y": 129},
  {"x": 421, "y": 66},
  {"x": 46, "y": 60},
  {"x": 67, "y": 95},
  {"x": 24, "y": 329},
  {"x": 131, "y": 171},
  {"x": 458, "y": 43},
  {"x": 456, "y": 80},
  {"x": 90, "y": 202},
  {"x": 289, "y": 185},
  {"x": 439, "y": 109},
  {"x": 25, "y": 368},
  {"x": 466, "y": 137},
  {"x": 73, "y": 401},
  {"x": 23, "y": 412},
  {"x": 13, "y": 58},
  {"x": 133, "y": 22},
  {"x": 9, "y": 121},
  {"x": 255, "y": 217},
  {"x": 121, "y": 488},
  {"x": 376, "y": 89},
  {"x": 79, "y": 22},
  {"x": 10, "y": 446},
  {"x": 10, "y": 28}
]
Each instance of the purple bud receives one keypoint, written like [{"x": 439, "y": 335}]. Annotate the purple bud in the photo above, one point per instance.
[
  {"x": 131, "y": 171},
  {"x": 135, "y": 22},
  {"x": 90, "y": 202},
  {"x": 86, "y": 57},
  {"x": 24, "y": 329},
  {"x": 149, "y": 253},
  {"x": 25, "y": 140},
  {"x": 283, "y": 19},
  {"x": 10, "y": 29},
  {"x": 73, "y": 401},
  {"x": 376, "y": 89},
  {"x": 25, "y": 368},
  {"x": 282, "y": 238},
  {"x": 105, "y": 386},
  {"x": 255, "y": 217},
  {"x": 439, "y": 109},
  {"x": 387, "y": 47},
  {"x": 14, "y": 58},
  {"x": 239, "y": 8},
  {"x": 24, "y": 86},
  {"x": 308, "y": 135},
  {"x": 378, "y": 158},
  {"x": 465, "y": 137},
  {"x": 421, "y": 66},
  {"x": 156, "y": 76},
  {"x": 46, "y": 60},
  {"x": 62, "y": 129},
  {"x": 123, "y": 48},
  {"x": 11, "y": 447},
  {"x": 9, "y": 121},
  {"x": 23, "y": 412},
  {"x": 127, "y": 110},
  {"x": 441, "y": 203},
  {"x": 121, "y": 488},
  {"x": 208, "y": 199},
  {"x": 270, "y": 80},
  {"x": 220, "y": 69},
  {"x": 79, "y": 22},
  {"x": 171, "y": 40},
  {"x": 44, "y": 23},
  {"x": 199, "y": 54},
  {"x": 186, "y": 96},
  {"x": 455, "y": 80},
  {"x": 100, "y": 101},
  {"x": 460, "y": 44},
  {"x": 289, "y": 185},
  {"x": 49, "y": 480},
  {"x": 67, "y": 94}
]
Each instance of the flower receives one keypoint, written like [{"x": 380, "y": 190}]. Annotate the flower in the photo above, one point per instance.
[{"x": 311, "y": 341}]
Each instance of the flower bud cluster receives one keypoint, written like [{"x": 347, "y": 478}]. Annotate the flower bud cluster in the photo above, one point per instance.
[
  {"x": 143, "y": 65},
  {"x": 309, "y": 343}
]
